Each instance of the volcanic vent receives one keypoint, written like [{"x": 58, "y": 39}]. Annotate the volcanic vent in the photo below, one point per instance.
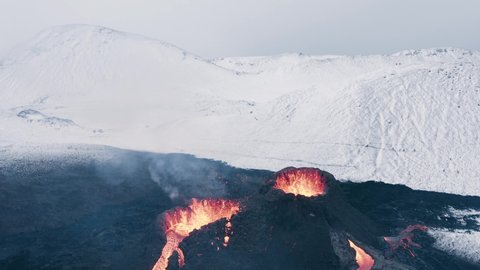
[
  {"x": 180, "y": 222},
  {"x": 300, "y": 219},
  {"x": 307, "y": 182}
]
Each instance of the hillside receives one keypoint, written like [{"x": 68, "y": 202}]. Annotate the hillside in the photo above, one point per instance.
[{"x": 410, "y": 118}]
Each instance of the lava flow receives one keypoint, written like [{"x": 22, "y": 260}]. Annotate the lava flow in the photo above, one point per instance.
[
  {"x": 304, "y": 181},
  {"x": 364, "y": 261},
  {"x": 405, "y": 239},
  {"x": 179, "y": 223}
]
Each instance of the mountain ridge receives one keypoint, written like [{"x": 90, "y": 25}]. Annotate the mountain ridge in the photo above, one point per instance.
[{"x": 409, "y": 118}]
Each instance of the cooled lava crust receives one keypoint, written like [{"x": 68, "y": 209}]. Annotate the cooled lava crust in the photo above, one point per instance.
[{"x": 70, "y": 216}]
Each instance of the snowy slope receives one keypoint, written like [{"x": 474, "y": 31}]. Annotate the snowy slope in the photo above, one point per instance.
[
  {"x": 464, "y": 243},
  {"x": 410, "y": 118}
]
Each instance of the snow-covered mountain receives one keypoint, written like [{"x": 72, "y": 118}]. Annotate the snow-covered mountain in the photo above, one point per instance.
[{"x": 412, "y": 117}]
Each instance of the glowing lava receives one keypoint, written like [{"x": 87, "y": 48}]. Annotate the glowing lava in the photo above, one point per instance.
[
  {"x": 180, "y": 222},
  {"x": 304, "y": 181},
  {"x": 405, "y": 239},
  {"x": 364, "y": 261}
]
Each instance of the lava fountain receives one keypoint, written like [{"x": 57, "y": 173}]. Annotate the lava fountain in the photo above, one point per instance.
[
  {"x": 307, "y": 182},
  {"x": 180, "y": 222},
  {"x": 364, "y": 261}
]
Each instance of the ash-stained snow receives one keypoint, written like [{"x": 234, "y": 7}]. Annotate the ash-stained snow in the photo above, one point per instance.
[
  {"x": 462, "y": 243},
  {"x": 33, "y": 116},
  {"x": 410, "y": 118},
  {"x": 466, "y": 217}
]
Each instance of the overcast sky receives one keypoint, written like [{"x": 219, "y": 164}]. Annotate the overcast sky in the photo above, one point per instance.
[{"x": 215, "y": 28}]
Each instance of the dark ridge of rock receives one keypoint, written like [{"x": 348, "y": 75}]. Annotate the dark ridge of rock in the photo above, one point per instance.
[
  {"x": 38, "y": 117},
  {"x": 276, "y": 230}
]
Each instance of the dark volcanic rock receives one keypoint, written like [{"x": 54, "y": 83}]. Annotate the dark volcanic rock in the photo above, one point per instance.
[
  {"x": 276, "y": 230},
  {"x": 283, "y": 231},
  {"x": 90, "y": 214}
]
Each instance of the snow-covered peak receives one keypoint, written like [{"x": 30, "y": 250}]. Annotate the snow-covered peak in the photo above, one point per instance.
[
  {"x": 306, "y": 63},
  {"x": 410, "y": 117},
  {"x": 68, "y": 40},
  {"x": 83, "y": 60}
]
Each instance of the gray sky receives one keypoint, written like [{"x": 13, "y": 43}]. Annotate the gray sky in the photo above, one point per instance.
[{"x": 215, "y": 28}]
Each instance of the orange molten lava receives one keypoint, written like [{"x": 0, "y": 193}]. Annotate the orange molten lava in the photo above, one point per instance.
[
  {"x": 364, "y": 261},
  {"x": 305, "y": 181},
  {"x": 179, "y": 223},
  {"x": 405, "y": 239}
]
